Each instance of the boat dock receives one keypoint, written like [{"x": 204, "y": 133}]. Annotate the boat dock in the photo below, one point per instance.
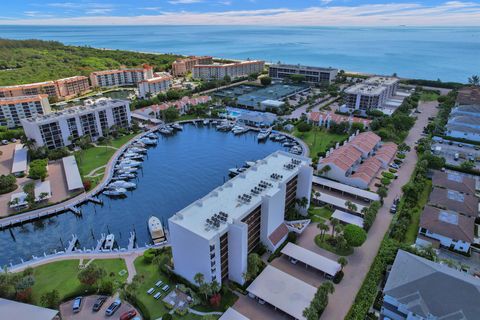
[
  {"x": 131, "y": 240},
  {"x": 100, "y": 242},
  {"x": 72, "y": 243},
  {"x": 95, "y": 200}
]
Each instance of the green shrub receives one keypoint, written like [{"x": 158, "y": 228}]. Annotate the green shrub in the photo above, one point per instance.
[
  {"x": 167, "y": 316},
  {"x": 385, "y": 181},
  {"x": 401, "y": 156},
  {"x": 38, "y": 169},
  {"x": 338, "y": 277},
  {"x": 388, "y": 175},
  {"x": 392, "y": 170},
  {"x": 354, "y": 235},
  {"x": 7, "y": 183}
]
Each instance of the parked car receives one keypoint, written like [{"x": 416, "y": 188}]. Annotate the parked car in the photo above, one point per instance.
[
  {"x": 456, "y": 156},
  {"x": 128, "y": 315},
  {"x": 394, "y": 166},
  {"x": 396, "y": 200},
  {"x": 113, "y": 307},
  {"x": 293, "y": 261},
  {"x": 13, "y": 140},
  {"x": 4, "y": 142},
  {"x": 99, "y": 303},
  {"x": 393, "y": 209},
  {"x": 77, "y": 304},
  {"x": 460, "y": 145}
]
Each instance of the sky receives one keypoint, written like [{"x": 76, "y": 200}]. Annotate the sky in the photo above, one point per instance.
[{"x": 242, "y": 12}]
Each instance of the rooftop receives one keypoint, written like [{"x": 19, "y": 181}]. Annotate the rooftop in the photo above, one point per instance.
[
  {"x": 473, "y": 108},
  {"x": 454, "y": 181},
  {"x": 28, "y": 85},
  {"x": 433, "y": 290},
  {"x": 283, "y": 291},
  {"x": 448, "y": 223},
  {"x": 19, "y": 159},
  {"x": 212, "y": 214},
  {"x": 311, "y": 258},
  {"x": 372, "y": 196},
  {"x": 468, "y": 96},
  {"x": 365, "y": 89},
  {"x": 74, "y": 180},
  {"x": 315, "y": 116},
  {"x": 21, "y": 311},
  {"x": 382, "y": 81},
  {"x": 21, "y": 99},
  {"x": 455, "y": 201},
  {"x": 301, "y": 67}
]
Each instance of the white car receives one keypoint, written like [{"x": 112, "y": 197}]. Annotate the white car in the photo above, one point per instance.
[{"x": 293, "y": 261}]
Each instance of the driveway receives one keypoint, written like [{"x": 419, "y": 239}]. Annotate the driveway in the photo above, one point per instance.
[
  {"x": 360, "y": 261},
  {"x": 86, "y": 312}
]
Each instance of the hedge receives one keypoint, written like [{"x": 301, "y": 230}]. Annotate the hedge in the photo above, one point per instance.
[
  {"x": 388, "y": 175},
  {"x": 385, "y": 181}
]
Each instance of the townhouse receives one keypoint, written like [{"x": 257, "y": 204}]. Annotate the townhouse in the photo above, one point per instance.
[{"x": 325, "y": 119}]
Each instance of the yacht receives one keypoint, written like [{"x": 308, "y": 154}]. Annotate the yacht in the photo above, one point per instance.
[
  {"x": 148, "y": 141},
  {"x": 122, "y": 184},
  {"x": 115, "y": 192},
  {"x": 129, "y": 163},
  {"x": 156, "y": 230},
  {"x": 296, "y": 150},
  {"x": 206, "y": 122},
  {"x": 138, "y": 144},
  {"x": 124, "y": 176},
  {"x": 165, "y": 130},
  {"x": 273, "y": 136},
  {"x": 109, "y": 241},
  {"x": 151, "y": 135},
  {"x": 236, "y": 171},
  {"x": 249, "y": 164},
  {"x": 137, "y": 150},
  {"x": 177, "y": 126},
  {"x": 263, "y": 134},
  {"x": 121, "y": 170},
  {"x": 280, "y": 138},
  {"x": 132, "y": 156},
  {"x": 289, "y": 144},
  {"x": 239, "y": 130}
]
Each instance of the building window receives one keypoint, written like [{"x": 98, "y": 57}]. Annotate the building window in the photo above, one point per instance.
[{"x": 51, "y": 135}]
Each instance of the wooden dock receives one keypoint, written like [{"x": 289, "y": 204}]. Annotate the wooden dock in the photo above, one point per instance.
[
  {"x": 131, "y": 240},
  {"x": 72, "y": 243}
]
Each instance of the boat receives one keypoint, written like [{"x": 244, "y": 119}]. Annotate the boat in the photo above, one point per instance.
[
  {"x": 296, "y": 150},
  {"x": 109, "y": 242},
  {"x": 249, "y": 164},
  {"x": 151, "y": 135},
  {"x": 156, "y": 230},
  {"x": 206, "y": 122},
  {"x": 166, "y": 130},
  {"x": 124, "y": 176},
  {"x": 133, "y": 156},
  {"x": 236, "y": 171},
  {"x": 288, "y": 144},
  {"x": 280, "y": 138},
  {"x": 115, "y": 192},
  {"x": 148, "y": 141},
  {"x": 121, "y": 170},
  {"x": 239, "y": 130},
  {"x": 137, "y": 150},
  {"x": 122, "y": 184},
  {"x": 129, "y": 163},
  {"x": 177, "y": 126},
  {"x": 138, "y": 144},
  {"x": 273, "y": 136},
  {"x": 263, "y": 134}
]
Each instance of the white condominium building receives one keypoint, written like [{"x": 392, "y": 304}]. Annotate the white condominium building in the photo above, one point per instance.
[
  {"x": 371, "y": 94},
  {"x": 13, "y": 109},
  {"x": 53, "y": 130},
  {"x": 233, "y": 70},
  {"x": 153, "y": 86},
  {"x": 121, "y": 77},
  {"x": 312, "y": 74},
  {"x": 215, "y": 234},
  {"x": 389, "y": 83}
]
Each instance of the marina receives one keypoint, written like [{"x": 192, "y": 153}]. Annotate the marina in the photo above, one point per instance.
[{"x": 193, "y": 161}]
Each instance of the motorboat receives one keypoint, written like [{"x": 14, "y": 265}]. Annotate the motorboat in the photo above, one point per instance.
[
  {"x": 124, "y": 176},
  {"x": 121, "y": 169},
  {"x": 151, "y": 135},
  {"x": 249, "y": 164},
  {"x": 109, "y": 242},
  {"x": 129, "y": 163},
  {"x": 280, "y": 138},
  {"x": 177, "y": 126},
  {"x": 133, "y": 156},
  {"x": 273, "y": 136},
  {"x": 148, "y": 141},
  {"x": 224, "y": 126},
  {"x": 206, "y": 122},
  {"x": 296, "y": 150},
  {"x": 263, "y": 134},
  {"x": 156, "y": 230},
  {"x": 289, "y": 144},
  {"x": 166, "y": 130},
  {"x": 137, "y": 150},
  {"x": 115, "y": 192},
  {"x": 138, "y": 144},
  {"x": 239, "y": 130},
  {"x": 236, "y": 171},
  {"x": 122, "y": 184}
]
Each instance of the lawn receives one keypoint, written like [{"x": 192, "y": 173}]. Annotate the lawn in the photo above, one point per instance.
[
  {"x": 319, "y": 140},
  {"x": 412, "y": 231},
  {"x": 428, "y": 96},
  {"x": 327, "y": 246},
  {"x": 319, "y": 214},
  {"x": 62, "y": 276},
  {"x": 93, "y": 158},
  {"x": 117, "y": 143}
]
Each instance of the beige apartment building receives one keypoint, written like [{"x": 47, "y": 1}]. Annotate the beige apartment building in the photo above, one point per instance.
[
  {"x": 13, "y": 109},
  {"x": 181, "y": 67},
  {"x": 121, "y": 77},
  {"x": 233, "y": 70},
  {"x": 48, "y": 87},
  {"x": 72, "y": 86}
]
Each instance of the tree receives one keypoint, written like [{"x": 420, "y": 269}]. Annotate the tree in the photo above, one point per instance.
[
  {"x": 350, "y": 205},
  {"x": 171, "y": 114},
  {"x": 227, "y": 79},
  {"x": 338, "y": 229},
  {"x": 167, "y": 316},
  {"x": 199, "y": 278},
  {"x": 333, "y": 223},
  {"x": 297, "y": 78},
  {"x": 304, "y": 127},
  {"x": 7, "y": 183},
  {"x": 302, "y": 202},
  {"x": 382, "y": 192},
  {"x": 474, "y": 80},
  {"x": 254, "y": 266},
  {"x": 91, "y": 274},
  {"x": 50, "y": 299},
  {"x": 325, "y": 169},
  {"x": 354, "y": 235},
  {"x": 322, "y": 226},
  {"x": 265, "y": 80},
  {"x": 342, "y": 261},
  {"x": 467, "y": 165}
]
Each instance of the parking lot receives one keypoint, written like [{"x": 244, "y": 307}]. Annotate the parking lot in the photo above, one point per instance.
[
  {"x": 455, "y": 153},
  {"x": 86, "y": 312}
]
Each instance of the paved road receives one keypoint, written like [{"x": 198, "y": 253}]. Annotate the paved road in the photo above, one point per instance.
[{"x": 360, "y": 262}]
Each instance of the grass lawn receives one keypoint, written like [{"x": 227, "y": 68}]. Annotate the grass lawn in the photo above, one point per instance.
[
  {"x": 62, "y": 276},
  {"x": 319, "y": 214},
  {"x": 318, "y": 140},
  {"x": 327, "y": 246},
  {"x": 412, "y": 231},
  {"x": 117, "y": 143},
  {"x": 188, "y": 117},
  {"x": 93, "y": 158},
  {"x": 428, "y": 96}
]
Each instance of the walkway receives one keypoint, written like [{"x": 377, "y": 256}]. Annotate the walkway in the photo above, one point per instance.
[
  {"x": 92, "y": 173},
  {"x": 360, "y": 261}
]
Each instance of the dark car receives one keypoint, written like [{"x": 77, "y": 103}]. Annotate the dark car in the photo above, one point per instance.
[
  {"x": 113, "y": 307},
  {"x": 393, "y": 209},
  {"x": 128, "y": 315},
  {"x": 99, "y": 303}
]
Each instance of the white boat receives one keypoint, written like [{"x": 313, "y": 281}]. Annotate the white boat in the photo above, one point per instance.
[
  {"x": 121, "y": 170},
  {"x": 288, "y": 144},
  {"x": 109, "y": 241},
  {"x": 249, "y": 164},
  {"x": 138, "y": 144},
  {"x": 166, "y": 130},
  {"x": 133, "y": 156},
  {"x": 263, "y": 134},
  {"x": 280, "y": 138},
  {"x": 137, "y": 150},
  {"x": 151, "y": 135},
  {"x": 236, "y": 171},
  {"x": 206, "y": 122},
  {"x": 148, "y": 141},
  {"x": 296, "y": 150},
  {"x": 115, "y": 192},
  {"x": 239, "y": 130},
  {"x": 273, "y": 136},
  {"x": 129, "y": 163},
  {"x": 122, "y": 184},
  {"x": 177, "y": 126},
  {"x": 156, "y": 230},
  {"x": 124, "y": 176}
]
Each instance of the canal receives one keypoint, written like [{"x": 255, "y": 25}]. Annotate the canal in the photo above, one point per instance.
[{"x": 178, "y": 171}]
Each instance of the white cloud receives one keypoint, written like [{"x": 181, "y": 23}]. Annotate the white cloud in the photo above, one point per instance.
[
  {"x": 454, "y": 13},
  {"x": 325, "y": 1},
  {"x": 184, "y": 1}
]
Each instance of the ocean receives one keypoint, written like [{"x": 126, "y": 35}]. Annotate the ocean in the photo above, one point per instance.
[{"x": 445, "y": 53}]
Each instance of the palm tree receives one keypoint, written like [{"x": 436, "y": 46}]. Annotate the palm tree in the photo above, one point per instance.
[
  {"x": 30, "y": 144},
  {"x": 338, "y": 229},
  {"x": 214, "y": 287},
  {"x": 323, "y": 228},
  {"x": 342, "y": 261},
  {"x": 474, "y": 80},
  {"x": 333, "y": 223},
  {"x": 199, "y": 278},
  {"x": 350, "y": 205}
]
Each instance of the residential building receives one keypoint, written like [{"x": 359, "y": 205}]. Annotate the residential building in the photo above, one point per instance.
[
  {"x": 450, "y": 229},
  {"x": 373, "y": 93},
  {"x": 454, "y": 181},
  {"x": 13, "y": 109},
  {"x": 183, "y": 66},
  {"x": 316, "y": 75},
  {"x": 389, "y": 83},
  {"x": 153, "y": 86},
  {"x": 324, "y": 119},
  {"x": 358, "y": 161},
  {"x": 32, "y": 89},
  {"x": 464, "y": 120},
  {"x": 182, "y": 105},
  {"x": 121, "y": 77},
  {"x": 233, "y": 70},
  {"x": 468, "y": 96},
  {"x": 214, "y": 235},
  {"x": 420, "y": 289},
  {"x": 73, "y": 86},
  {"x": 55, "y": 129},
  {"x": 455, "y": 201}
]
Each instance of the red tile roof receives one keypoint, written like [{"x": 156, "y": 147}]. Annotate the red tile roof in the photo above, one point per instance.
[
  {"x": 366, "y": 141},
  {"x": 278, "y": 234},
  {"x": 337, "y": 118},
  {"x": 387, "y": 152},
  {"x": 344, "y": 157},
  {"x": 368, "y": 170}
]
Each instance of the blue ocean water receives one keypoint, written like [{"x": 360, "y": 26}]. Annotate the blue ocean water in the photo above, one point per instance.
[
  {"x": 446, "y": 53},
  {"x": 178, "y": 171}
]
